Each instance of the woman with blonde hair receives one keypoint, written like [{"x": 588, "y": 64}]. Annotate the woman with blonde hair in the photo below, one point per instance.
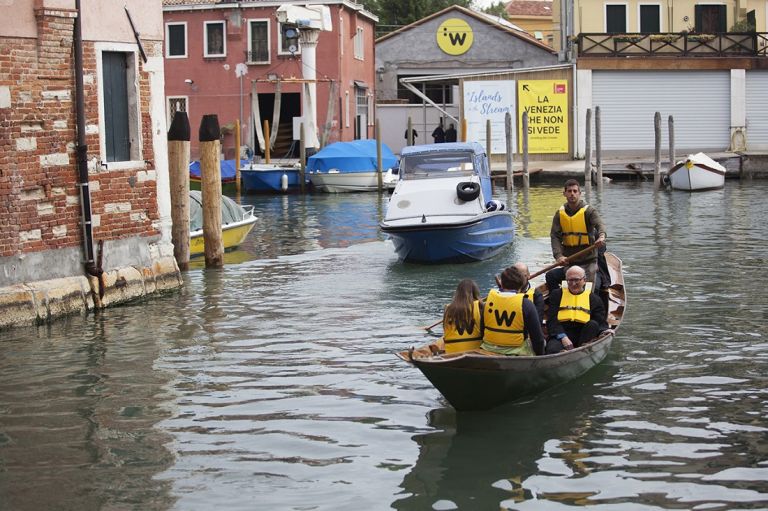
[{"x": 462, "y": 326}]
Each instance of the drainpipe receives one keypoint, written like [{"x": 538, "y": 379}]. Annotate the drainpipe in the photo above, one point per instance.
[{"x": 82, "y": 157}]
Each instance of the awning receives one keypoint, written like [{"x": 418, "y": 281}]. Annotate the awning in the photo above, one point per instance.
[{"x": 360, "y": 84}]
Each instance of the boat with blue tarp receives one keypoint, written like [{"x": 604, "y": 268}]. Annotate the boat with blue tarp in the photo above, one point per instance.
[
  {"x": 228, "y": 175},
  {"x": 349, "y": 166},
  {"x": 441, "y": 209},
  {"x": 271, "y": 178}
]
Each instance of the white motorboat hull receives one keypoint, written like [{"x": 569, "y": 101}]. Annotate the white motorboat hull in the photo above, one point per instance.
[
  {"x": 335, "y": 182},
  {"x": 697, "y": 172}
]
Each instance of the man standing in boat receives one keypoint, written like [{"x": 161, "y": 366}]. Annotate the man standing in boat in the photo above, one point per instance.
[
  {"x": 575, "y": 315},
  {"x": 575, "y": 226}
]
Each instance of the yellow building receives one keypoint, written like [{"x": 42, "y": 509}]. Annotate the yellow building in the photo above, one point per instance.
[{"x": 535, "y": 17}]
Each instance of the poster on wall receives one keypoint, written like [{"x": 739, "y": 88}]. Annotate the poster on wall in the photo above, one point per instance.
[
  {"x": 489, "y": 100},
  {"x": 546, "y": 102}
]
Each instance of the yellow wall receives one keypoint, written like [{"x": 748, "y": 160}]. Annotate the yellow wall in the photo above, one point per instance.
[{"x": 533, "y": 24}]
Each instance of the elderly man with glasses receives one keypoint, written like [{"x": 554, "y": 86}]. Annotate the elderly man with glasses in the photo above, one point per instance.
[{"x": 575, "y": 315}]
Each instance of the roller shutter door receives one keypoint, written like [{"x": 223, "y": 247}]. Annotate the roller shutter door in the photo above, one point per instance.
[
  {"x": 757, "y": 110},
  {"x": 699, "y": 101}
]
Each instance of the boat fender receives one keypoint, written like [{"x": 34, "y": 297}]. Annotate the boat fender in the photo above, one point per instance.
[
  {"x": 468, "y": 190},
  {"x": 494, "y": 205},
  {"x": 284, "y": 182}
]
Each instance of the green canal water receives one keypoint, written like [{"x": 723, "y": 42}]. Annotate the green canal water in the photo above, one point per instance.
[{"x": 272, "y": 384}]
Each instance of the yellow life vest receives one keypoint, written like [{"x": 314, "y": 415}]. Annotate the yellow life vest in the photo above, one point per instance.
[
  {"x": 575, "y": 307},
  {"x": 503, "y": 318},
  {"x": 529, "y": 293},
  {"x": 574, "y": 228},
  {"x": 459, "y": 339}
]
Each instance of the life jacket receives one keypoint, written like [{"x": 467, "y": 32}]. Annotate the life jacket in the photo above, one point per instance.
[
  {"x": 574, "y": 227},
  {"x": 459, "y": 339},
  {"x": 503, "y": 318},
  {"x": 575, "y": 307},
  {"x": 529, "y": 292}
]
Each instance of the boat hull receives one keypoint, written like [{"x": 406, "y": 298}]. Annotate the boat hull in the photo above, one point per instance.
[
  {"x": 232, "y": 235},
  {"x": 481, "y": 382},
  {"x": 474, "y": 240},
  {"x": 336, "y": 182},
  {"x": 696, "y": 173},
  {"x": 269, "y": 180}
]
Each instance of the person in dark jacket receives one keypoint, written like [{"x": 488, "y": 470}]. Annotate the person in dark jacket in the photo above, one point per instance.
[
  {"x": 450, "y": 133},
  {"x": 575, "y": 315},
  {"x": 438, "y": 134}
]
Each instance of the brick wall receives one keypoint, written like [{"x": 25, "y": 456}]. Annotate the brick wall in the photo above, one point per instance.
[{"x": 39, "y": 196}]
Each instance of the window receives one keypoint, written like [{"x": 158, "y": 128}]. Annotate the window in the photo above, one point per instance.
[
  {"x": 440, "y": 93},
  {"x": 258, "y": 42},
  {"x": 710, "y": 19},
  {"x": 361, "y": 112},
  {"x": 175, "y": 104},
  {"x": 215, "y": 39},
  {"x": 359, "y": 47},
  {"x": 289, "y": 40},
  {"x": 650, "y": 18},
  {"x": 615, "y": 18},
  {"x": 175, "y": 40},
  {"x": 119, "y": 119}
]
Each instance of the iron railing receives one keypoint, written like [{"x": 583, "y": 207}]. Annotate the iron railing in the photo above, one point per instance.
[{"x": 673, "y": 44}]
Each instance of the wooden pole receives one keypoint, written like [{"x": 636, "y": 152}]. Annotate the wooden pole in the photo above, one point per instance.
[
  {"x": 237, "y": 157},
  {"x": 672, "y": 157},
  {"x": 488, "y": 149},
  {"x": 178, "y": 173},
  {"x": 302, "y": 157},
  {"x": 598, "y": 148},
  {"x": 210, "y": 165},
  {"x": 508, "y": 137},
  {"x": 379, "y": 173},
  {"x": 526, "y": 175},
  {"x": 588, "y": 151},
  {"x": 463, "y": 130},
  {"x": 657, "y": 151},
  {"x": 266, "y": 141},
  {"x": 409, "y": 131}
]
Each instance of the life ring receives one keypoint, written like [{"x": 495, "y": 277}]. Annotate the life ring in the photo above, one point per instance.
[{"x": 468, "y": 190}]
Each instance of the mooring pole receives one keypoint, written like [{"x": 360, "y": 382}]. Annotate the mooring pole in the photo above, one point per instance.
[
  {"x": 178, "y": 174},
  {"x": 210, "y": 185}
]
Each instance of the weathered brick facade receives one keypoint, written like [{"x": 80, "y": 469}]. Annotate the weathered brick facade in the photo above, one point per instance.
[{"x": 40, "y": 212}]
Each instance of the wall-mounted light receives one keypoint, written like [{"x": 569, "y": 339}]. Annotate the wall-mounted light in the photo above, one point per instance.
[{"x": 189, "y": 81}]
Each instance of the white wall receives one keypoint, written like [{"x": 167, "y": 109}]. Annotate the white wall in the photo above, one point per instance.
[{"x": 394, "y": 119}]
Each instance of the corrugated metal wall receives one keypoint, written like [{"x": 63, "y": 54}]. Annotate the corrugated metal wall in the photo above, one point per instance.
[
  {"x": 699, "y": 101},
  {"x": 757, "y": 110}
]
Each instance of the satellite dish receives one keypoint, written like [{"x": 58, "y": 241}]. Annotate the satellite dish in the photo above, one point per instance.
[{"x": 293, "y": 48}]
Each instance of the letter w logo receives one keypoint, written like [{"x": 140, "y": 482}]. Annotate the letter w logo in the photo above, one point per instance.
[
  {"x": 461, "y": 331},
  {"x": 457, "y": 39},
  {"x": 503, "y": 318}
]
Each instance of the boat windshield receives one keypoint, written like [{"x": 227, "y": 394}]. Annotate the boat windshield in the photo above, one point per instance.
[{"x": 436, "y": 164}]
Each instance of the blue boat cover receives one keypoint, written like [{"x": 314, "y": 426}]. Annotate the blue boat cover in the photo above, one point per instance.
[
  {"x": 228, "y": 169},
  {"x": 355, "y": 156}
]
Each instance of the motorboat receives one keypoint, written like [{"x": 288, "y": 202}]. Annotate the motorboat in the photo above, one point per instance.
[
  {"x": 441, "y": 210},
  {"x": 349, "y": 166},
  {"x": 236, "y": 223},
  {"x": 478, "y": 380},
  {"x": 271, "y": 178},
  {"x": 228, "y": 175},
  {"x": 697, "y": 172}
]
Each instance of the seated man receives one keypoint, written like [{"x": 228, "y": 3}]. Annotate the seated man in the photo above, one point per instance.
[
  {"x": 575, "y": 315},
  {"x": 511, "y": 324},
  {"x": 531, "y": 292}
]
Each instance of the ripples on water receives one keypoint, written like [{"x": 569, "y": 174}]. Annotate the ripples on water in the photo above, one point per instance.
[{"x": 272, "y": 384}]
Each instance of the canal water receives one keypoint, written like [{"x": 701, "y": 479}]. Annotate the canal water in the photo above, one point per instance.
[{"x": 272, "y": 384}]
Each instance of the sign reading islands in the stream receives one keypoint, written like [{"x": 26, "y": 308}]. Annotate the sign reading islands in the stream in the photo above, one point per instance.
[
  {"x": 546, "y": 102},
  {"x": 489, "y": 100}
]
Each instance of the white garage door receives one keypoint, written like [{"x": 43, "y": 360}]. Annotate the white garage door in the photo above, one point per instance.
[
  {"x": 699, "y": 101},
  {"x": 757, "y": 110}
]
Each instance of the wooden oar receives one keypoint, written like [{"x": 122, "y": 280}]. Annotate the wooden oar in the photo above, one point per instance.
[
  {"x": 433, "y": 325},
  {"x": 555, "y": 265}
]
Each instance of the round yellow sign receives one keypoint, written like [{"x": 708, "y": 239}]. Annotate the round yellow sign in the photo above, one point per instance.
[{"x": 454, "y": 36}]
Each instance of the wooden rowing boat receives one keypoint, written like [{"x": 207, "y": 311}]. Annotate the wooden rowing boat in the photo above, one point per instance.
[{"x": 479, "y": 380}]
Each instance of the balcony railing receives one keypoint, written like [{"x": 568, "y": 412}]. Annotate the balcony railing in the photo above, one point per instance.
[{"x": 674, "y": 44}]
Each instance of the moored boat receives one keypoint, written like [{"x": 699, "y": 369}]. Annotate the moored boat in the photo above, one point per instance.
[
  {"x": 270, "y": 178},
  {"x": 228, "y": 176},
  {"x": 697, "y": 172},
  {"x": 441, "y": 209},
  {"x": 478, "y": 380},
  {"x": 236, "y": 223},
  {"x": 349, "y": 166}
]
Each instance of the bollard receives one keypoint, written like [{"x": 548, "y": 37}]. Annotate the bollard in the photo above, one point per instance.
[
  {"x": 379, "y": 170},
  {"x": 178, "y": 174},
  {"x": 526, "y": 175},
  {"x": 237, "y": 158},
  {"x": 598, "y": 149},
  {"x": 657, "y": 151},
  {"x": 671, "y": 142},
  {"x": 267, "y": 148},
  {"x": 508, "y": 137},
  {"x": 588, "y": 151},
  {"x": 210, "y": 184},
  {"x": 302, "y": 157}
]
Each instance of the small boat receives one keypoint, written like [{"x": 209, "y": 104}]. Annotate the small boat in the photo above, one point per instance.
[
  {"x": 441, "y": 209},
  {"x": 236, "y": 223},
  {"x": 697, "y": 172},
  {"x": 270, "y": 178},
  {"x": 228, "y": 176},
  {"x": 480, "y": 380},
  {"x": 349, "y": 166}
]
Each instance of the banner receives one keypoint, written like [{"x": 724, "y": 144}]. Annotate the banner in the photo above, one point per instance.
[
  {"x": 546, "y": 102},
  {"x": 489, "y": 100}
]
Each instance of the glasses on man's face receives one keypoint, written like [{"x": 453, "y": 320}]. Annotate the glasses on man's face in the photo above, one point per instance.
[{"x": 574, "y": 281}]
